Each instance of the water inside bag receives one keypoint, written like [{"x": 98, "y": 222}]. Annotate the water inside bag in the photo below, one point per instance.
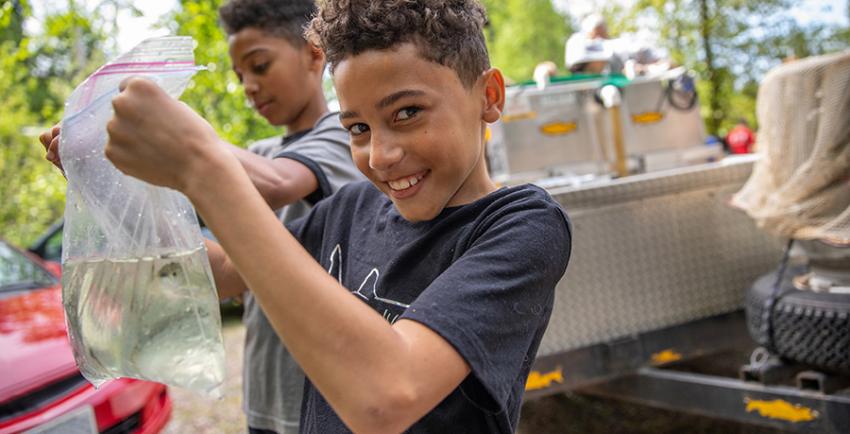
[{"x": 149, "y": 317}]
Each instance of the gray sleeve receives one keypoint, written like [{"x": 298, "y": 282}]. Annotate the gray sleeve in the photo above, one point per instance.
[
  {"x": 267, "y": 147},
  {"x": 325, "y": 151}
]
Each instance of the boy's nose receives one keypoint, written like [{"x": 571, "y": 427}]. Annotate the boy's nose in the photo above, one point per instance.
[
  {"x": 384, "y": 154},
  {"x": 251, "y": 86}
]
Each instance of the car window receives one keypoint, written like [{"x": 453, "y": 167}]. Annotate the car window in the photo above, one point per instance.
[
  {"x": 18, "y": 272},
  {"x": 49, "y": 245},
  {"x": 53, "y": 247}
]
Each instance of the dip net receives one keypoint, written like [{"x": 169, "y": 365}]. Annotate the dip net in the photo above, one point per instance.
[{"x": 800, "y": 187}]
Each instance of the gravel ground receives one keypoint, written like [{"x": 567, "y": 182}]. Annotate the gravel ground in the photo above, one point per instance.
[{"x": 557, "y": 414}]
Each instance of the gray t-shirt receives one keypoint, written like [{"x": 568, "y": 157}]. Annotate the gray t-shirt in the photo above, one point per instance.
[{"x": 272, "y": 381}]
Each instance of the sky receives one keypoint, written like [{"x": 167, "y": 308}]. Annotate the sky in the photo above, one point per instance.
[{"x": 133, "y": 30}]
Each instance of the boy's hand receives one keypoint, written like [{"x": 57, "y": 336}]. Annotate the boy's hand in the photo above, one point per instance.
[
  {"x": 50, "y": 140},
  {"x": 158, "y": 139}
]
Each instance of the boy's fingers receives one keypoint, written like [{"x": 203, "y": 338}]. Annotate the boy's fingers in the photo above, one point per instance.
[
  {"x": 136, "y": 80},
  {"x": 112, "y": 149},
  {"x": 45, "y": 138},
  {"x": 53, "y": 150},
  {"x": 124, "y": 83},
  {"x": 50, "y": 140},
  {"x": 137, "y": 98}
]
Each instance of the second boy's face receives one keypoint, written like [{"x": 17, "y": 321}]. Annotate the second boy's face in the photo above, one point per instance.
[
  {"x": 416, "y": 131},
  {"x": 276, "y": 74}
]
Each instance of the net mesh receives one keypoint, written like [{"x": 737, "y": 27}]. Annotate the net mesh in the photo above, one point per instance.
[{"x": 800, "y": 188}]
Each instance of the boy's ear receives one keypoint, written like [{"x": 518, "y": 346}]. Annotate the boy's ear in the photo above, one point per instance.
[
  {"x": 315, "y": 56},
  {"x": 494, "y": 95}
]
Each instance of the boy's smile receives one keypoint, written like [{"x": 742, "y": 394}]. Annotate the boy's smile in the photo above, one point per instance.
[
  {"x": 406, "y": 186},
  {"x": 416, "y": 130}
]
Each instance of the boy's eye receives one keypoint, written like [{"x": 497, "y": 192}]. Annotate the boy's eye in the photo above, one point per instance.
[
  {"x": 260, "y": 68},
  {"x": 358, "y": 129},
  {"x": 407, "y": 113}
]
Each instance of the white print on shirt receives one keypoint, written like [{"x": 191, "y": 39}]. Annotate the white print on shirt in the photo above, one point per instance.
[{"x": 368, "y": 290}]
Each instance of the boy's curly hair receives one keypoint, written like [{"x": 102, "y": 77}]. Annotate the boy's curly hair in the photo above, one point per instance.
[
  {"x": 283, "y": 18},
  {"x": 448, "y": 32}
]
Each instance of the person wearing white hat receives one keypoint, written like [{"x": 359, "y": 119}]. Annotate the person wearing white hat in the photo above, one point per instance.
[
  {"x": 587, "y": 50},
  {"x": 592, "y": 51}
]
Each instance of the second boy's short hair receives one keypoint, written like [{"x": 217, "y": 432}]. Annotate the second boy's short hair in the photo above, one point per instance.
[
  {"x": 284, "y": 18},
  {"x": 448, "y": 32}
]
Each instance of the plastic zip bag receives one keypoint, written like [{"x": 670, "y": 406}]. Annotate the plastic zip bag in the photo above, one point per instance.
[{"x": 138, "y": 291}]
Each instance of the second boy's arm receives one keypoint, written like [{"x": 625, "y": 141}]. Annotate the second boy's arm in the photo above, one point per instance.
[
  {"x": 280, "y": 181},
  {"x": 228, "y": 282}
]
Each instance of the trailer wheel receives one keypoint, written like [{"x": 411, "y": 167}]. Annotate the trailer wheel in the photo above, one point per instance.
[{"x": 808, "y": 327}]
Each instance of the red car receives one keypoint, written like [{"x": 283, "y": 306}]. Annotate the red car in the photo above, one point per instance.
[{"x": 41, "y": 389}]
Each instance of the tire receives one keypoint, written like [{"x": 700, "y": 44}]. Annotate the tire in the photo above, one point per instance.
[{"x": 808, "y": 327}]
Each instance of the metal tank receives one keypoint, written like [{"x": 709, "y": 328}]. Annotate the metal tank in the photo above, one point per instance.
[
  {"x": 563, "y": 130},
  {"x": 655, "y": 250}
]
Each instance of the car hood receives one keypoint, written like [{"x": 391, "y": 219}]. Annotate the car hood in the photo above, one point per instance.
[{"x": 35, "y": 347}]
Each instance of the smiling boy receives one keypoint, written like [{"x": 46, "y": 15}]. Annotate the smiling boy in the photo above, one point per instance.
[
  {"x": 282, "y": 74},
  {"x": 416, "y": 301}
]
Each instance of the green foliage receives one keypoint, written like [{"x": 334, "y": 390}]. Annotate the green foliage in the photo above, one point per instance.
[
  {"x": 216, "y": 93},
  {"x": 32, "y": 191},
  {"x": 69, "y": 48},
  {"x": 731, "y": 44},
  {"x": 38, "y": 72},
  {"x": 619, "y": 18},
  {"x": 12, "y": 15},
  {"x": 523, "y": 33}
]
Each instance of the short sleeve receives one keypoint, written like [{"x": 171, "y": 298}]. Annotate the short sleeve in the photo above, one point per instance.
[
  {"x": 325, "y": 151},
  {"x": 493, "y": 303},
  {"x": 266, "y": 147}
]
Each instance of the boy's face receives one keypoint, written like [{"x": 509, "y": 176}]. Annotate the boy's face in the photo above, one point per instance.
[
  {"x": 277, "y": 76},
  {"x": 416, "y": 131}
]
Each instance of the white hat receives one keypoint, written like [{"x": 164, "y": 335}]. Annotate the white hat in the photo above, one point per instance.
[{"x": 582, "y": 50}]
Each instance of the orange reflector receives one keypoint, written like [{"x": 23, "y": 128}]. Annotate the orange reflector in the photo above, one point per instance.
[
  {"x": 666, "y": 356},
  {"x": 536, "y": 380},
  {"x": 647, "y": 117},
  {"x": 781, "y": 410},
  {"x": 558, "y": 128}
]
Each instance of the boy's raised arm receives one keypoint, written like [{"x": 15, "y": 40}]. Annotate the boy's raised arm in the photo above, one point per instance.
[
  {"x": 280, "y": 181},
  {"x": 392, "y": 375}
]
